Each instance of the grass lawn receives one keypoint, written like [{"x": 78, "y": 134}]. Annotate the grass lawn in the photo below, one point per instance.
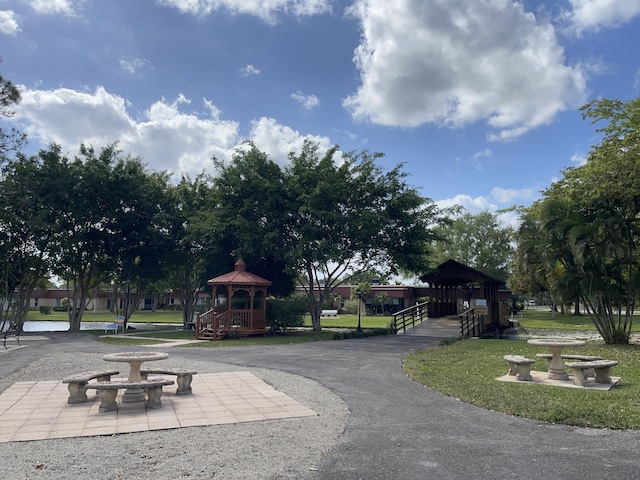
[
  {"x": 467, "y": 370},
  {"x": 543, "y": 318},
  {"x": 140, "y": 316}
]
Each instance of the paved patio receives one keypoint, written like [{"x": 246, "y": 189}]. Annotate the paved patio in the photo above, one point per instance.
[{"x": 38, "y": 410}]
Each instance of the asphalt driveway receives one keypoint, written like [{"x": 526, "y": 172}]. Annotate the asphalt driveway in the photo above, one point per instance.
[{"x": 399, "y": 429}]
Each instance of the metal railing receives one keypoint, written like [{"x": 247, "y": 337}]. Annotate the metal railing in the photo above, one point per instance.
[{"x": 409, "y": 317}]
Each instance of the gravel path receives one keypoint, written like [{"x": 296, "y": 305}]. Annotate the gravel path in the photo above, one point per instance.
[{"x": 277, "y": 449}]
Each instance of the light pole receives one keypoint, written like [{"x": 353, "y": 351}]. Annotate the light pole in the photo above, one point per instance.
[{"x": 359, "y": 295}]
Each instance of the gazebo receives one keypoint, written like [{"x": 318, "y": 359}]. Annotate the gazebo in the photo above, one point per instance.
[{"x": 239, "y": 305}]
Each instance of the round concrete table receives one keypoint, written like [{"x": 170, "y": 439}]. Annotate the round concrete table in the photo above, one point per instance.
[
  {"x": 557, "y": 367},
  {"x": 134, "y": 359}
]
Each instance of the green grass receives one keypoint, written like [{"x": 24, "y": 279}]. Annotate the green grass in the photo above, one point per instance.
[
  {"x": 351, "y": 321},
  {"x": 467, "y": 370},
  {"x": 543, "y": 318},
  {"x": 140, "y": 316}
]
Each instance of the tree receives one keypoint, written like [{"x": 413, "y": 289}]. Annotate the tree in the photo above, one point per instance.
[
  {"x": 252, "y": 207},
  {"x": 12, "y": 140},
  {"x": 138, "y": 228},
  {"x": 192, "y": 238},
  {"x": 324, "y": 219},
  {"x": 479, "y": 241},
  {"x": 107, "y": 224},
  {"x": 28, "y": 228},
  {"x": 349, "y": 216},
  {"x": 590, "y": 217}
]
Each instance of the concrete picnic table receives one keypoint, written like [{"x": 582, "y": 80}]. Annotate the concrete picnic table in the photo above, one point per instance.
[
  {"x": 135, "y": 360},
  {"x": 557, "y": 367}
]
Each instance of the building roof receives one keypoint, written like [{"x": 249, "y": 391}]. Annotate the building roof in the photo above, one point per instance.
[{"x": 239, "y": 276}]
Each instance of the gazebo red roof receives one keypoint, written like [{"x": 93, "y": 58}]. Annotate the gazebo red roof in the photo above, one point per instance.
[{"x": 239, "y": 276}]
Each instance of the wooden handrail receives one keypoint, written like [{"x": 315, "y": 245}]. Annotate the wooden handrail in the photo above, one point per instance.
[
  {"x": 471, "y": 324},
  {"x": 410, "y": 316}
]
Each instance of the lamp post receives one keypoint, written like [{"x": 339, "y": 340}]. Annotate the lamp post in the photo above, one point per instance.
[{"x": 359, "y": 295}]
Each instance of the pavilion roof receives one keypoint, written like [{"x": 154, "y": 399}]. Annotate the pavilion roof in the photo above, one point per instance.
[
  {"x": 454, "y": 273},
  {"x": 239, "y": 276}
]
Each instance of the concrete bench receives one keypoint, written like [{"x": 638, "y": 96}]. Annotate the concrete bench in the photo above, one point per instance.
[
  {"x": 580, "y": 358},
  {"x": 329, "y": 313},
  {"x": 184, "y": 377},
  {"x": 109, "y": 390},
  {"x": 520, "y": 367},
  {"x": 78, "y": 383},
  {"x": 602, "y": 370}
]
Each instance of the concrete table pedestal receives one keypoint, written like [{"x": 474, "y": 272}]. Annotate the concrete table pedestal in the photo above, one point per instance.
[
  {"x": 557, "y": 367},
  {"x": 135, "y": 360}
]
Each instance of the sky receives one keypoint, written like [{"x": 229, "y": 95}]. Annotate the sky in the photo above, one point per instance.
[{"x": 479, "y": 99}]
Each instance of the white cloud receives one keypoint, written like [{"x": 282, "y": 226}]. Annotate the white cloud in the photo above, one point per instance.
[
  {"x": 478, "y": 157},
  {"x": 499, "y": 198},
  {"x": 479, "y": 204},
  {"x": 132, "y": 65},
  {"x": 279, "y": 140},
  {"x": 166, "y": 137},
  {"x": 9, "y": 22},
  {"x": 578, "y": 159},
  {"x": 472, "y": 205},
  {"x": 308, "y": 102},
  {"x": 458, "y": 62},
  {"x": 509, "y": 196},
  {"x": 249, "y": 70},
  {"x": 67, "y": 8},
  {"x": 264, "y": 9},
  {"x": 593, "y": 14}
]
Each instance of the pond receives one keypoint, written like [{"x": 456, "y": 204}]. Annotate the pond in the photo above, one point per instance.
[{"x": 54, "y": 326}]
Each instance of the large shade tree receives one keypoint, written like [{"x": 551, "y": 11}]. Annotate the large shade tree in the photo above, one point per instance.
[
  {"x": 252, "y": 208},
  {"x": 327, "y": 216},
  {"x": 480, "y": 241},
  {"x": 29, "y": 209},
  {"x": 191, "y": 233},
  {"x": 107, "y": 223}
]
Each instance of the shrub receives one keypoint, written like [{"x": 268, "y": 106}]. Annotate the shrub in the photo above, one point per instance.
[
  {"x": 362, "y": 334},
  {"x": 45, "y": 310},
  {"x": 283, "y": 314}
]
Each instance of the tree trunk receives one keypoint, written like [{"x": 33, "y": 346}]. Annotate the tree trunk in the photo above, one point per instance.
[{"x": 576, "y": 307}]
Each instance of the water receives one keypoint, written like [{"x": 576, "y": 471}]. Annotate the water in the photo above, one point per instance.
[{"x": 53, "y": 326}]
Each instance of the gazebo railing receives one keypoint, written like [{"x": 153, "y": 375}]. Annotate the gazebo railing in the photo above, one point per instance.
[{"x": 215, "y": 324}]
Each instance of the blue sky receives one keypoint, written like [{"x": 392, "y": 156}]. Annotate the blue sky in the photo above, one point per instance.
[{"x": 479, "y": 98}]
